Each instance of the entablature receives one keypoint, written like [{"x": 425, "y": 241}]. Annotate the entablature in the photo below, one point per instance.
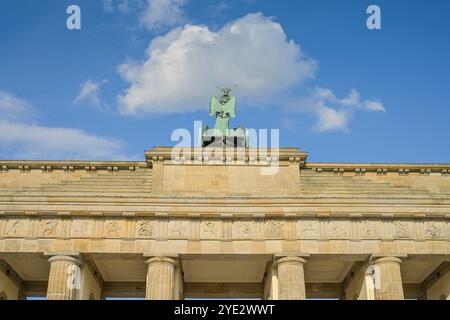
[
  {"x": 222, "y": 155},
  {"x": 49, "y": 166},
  {"x": 380, "y": 168}
]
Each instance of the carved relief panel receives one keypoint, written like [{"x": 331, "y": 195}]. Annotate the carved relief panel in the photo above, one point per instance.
[
  {"x": 80, "y": 228},
  {"x": 274, "y": 229},
  {"x": 112, "y": 228},
  {"x": 177, "y": 228},
  {"x": 48, "y": 228},
  {"x": 243, "y": 229},
  {"x": 401, "y": 229},
  {"x": 144, "y": 228},
  {"x": 339, "y": 229},
  {"x": 209, "y": 229},
  {"x": 434, "y": 230},
  {"x": 16, "y": 228},
  {"x": 308, "y": 229},
  {"x": 369, "y": 229}
]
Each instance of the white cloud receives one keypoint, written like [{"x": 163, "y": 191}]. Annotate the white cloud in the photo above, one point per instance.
[
  {"x": 20, "y": 138},
  {"x": 187, "y": 64},
  {"x": 29, "y": 141},
  {"x": 352, "y": 100},
  {"x": 89, "y": 94},
  {"x": 333, "y": 114},
  {"x": 155, "y": 15},
  {"x": 12, "y": 108},
  {"x": 330, "y": 119},
  {"x": 373, "y": 105},
  {"x": 160, "y": 14}
]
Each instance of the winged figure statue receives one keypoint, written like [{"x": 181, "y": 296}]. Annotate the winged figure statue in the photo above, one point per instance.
[{"x": 223, "y": 108}]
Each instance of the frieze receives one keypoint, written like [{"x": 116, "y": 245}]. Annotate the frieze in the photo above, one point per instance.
[
  {"x": 48, "y": 228},
  {"x": 369, "y": 229},
  {"x": 338, "y": 229},
  {"x": 16, "y": 228},
  {"x": 144, "y": 229},
  {"x": 112, "y": 229},
  {"x": 177, "y": 228},
  {"x": 209, "y": 229},
  {"x": 80, "y": 228},
  {"x": 242, "y": 229},
  {"x": 68, "y": 227},
  {"x": 401, "y": 229},
  {"x": 308, "y": 229},
  {"x": 434, "y": 230},
  {"x": 275, "y": 228}
]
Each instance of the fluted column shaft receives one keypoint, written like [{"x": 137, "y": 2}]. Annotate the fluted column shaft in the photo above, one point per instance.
[
  {"x": 291, "y": 278},
  {"x": 63, "y": 280},
  {"x": 160, "y": 278},
  {"x": 388, "y": 279}
]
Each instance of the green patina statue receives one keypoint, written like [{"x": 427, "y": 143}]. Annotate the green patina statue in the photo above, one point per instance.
[{"x": 223, "y": 109}]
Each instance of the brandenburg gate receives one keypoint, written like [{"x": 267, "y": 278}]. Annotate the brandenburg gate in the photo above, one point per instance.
[
  {"x": 208, "y": 227},
  {"x": 220, "y": 222}
]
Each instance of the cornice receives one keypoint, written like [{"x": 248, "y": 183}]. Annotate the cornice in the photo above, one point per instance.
[
  {"x": 380, "y": 168},
  {"x": 250, "y": 156},
  {"x": 69, "y": 165},
  {"x": 259, "y": 212},
  {"x": 230, "y": 201}
]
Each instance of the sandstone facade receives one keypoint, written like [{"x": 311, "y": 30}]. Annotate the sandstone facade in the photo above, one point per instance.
[{"x": 217, "y": 225}]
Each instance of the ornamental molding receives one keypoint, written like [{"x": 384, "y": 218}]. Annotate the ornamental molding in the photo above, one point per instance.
[
  {"x": 70, "y": 166},
  {"x": 228, "y": 156},
  {"x": 379, "y": 168},
  {"x": 218, "y": 229}
]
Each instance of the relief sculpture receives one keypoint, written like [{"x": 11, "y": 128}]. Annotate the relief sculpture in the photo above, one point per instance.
[
  {"x": 112, "y": 229},
  {"x": 338, "y": 230},
  {"x": 15, "y": 228},
  {"x": 209, "y": 229},
  {"x": 275, "y": 228},
  {"x": 145, "y": 229},
  {"x": 177, "y": 228},
  {"x": 432, "y": 230},
  {"x": 308, "y": 229},
  {"x": 80, "y": 228},
  {"x": 243, "y": 230},
  {"x": 400, "y": 229},
  {"x": 369, "y": 229},
  {"x": 48, "y": 228}
]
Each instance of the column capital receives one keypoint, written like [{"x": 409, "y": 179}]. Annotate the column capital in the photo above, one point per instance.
[
  {"x": 295, "y": 259},
  {"x": 165, "y": 259},
  {"x": 74, "y": 254},
  {"x": 72, "y": 259},
  {"x": 387, "y": 259}
]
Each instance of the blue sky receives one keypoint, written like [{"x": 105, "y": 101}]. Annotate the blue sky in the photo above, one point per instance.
[{"x": 334, "y": 88}]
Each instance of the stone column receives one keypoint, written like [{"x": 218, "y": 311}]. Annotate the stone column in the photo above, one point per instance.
[
  {"x": 291, "y": 278},
  {"x": 387, "y": 278},
  {"x": 161, "y": 278},
  {"x": 64, "y": 279}
]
